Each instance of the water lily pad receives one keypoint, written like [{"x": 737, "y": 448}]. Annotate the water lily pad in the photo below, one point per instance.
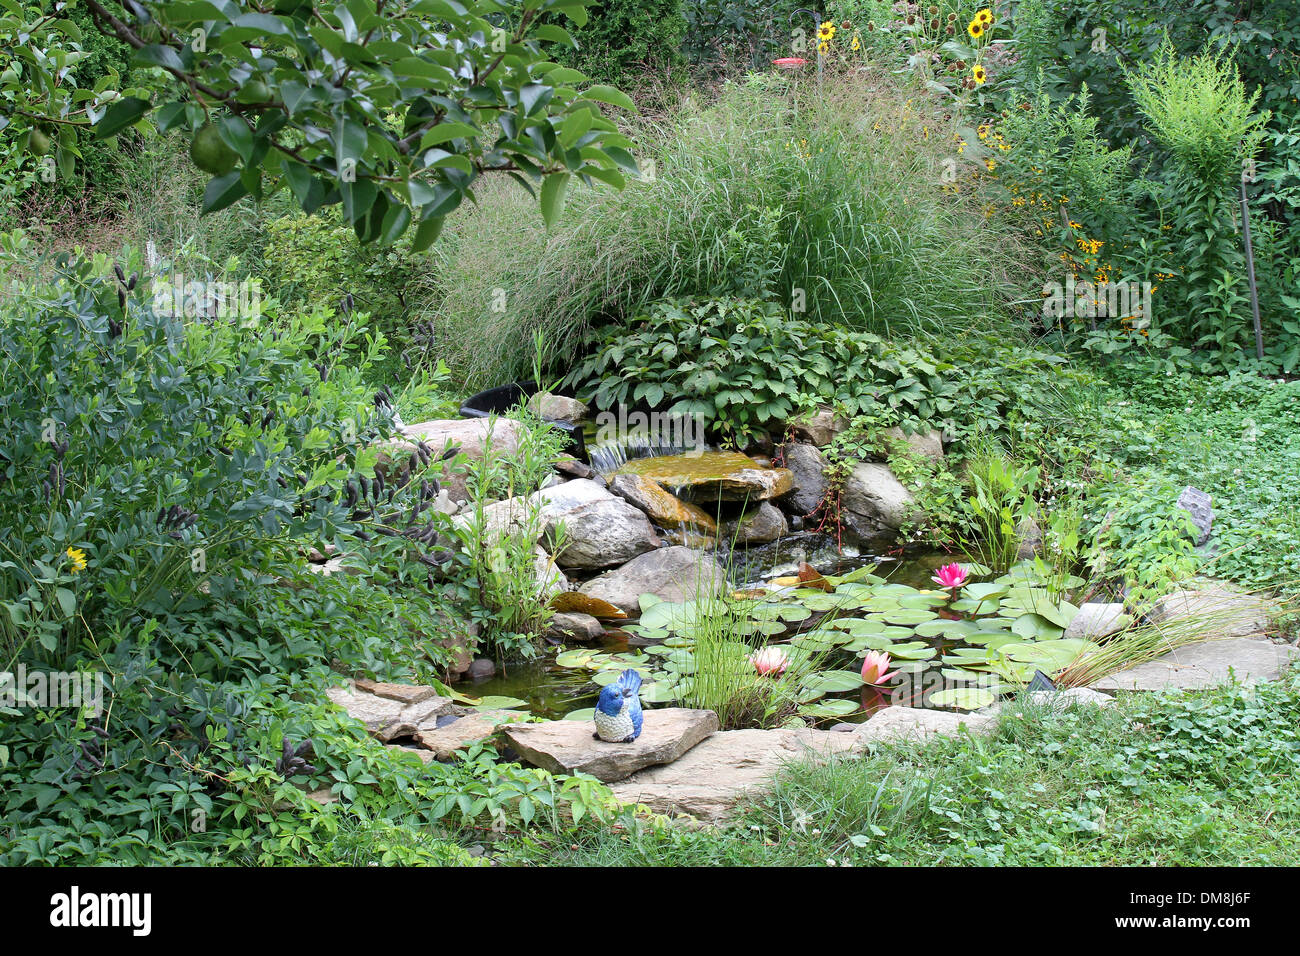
[
  {"x": 578, "y": 657},
  {"x": 587, "y": 713},
  {"x": 963, "y": 698},
  {"x": 911, "y": 651},
  {"x": 659, "y": 692},
  {"x": 922, "y": 601},
  {"x": 832, "y": 682},
  {"x": 1036, "y": 627},
  {"x": 836, "y": 707},
  {"x": 496, "y": 702},
  {"x": 909, "y": 616},
  {"x": 953, "y": 629}
]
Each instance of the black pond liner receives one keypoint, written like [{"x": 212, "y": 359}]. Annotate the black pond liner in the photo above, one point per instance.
[{"x": 499, "y": 400}]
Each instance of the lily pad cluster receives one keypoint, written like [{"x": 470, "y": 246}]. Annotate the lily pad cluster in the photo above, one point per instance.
[{"x": 991, "y": 635}]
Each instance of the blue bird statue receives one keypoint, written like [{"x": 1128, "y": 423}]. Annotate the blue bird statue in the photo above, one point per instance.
[{"x": 618, "y": 712}]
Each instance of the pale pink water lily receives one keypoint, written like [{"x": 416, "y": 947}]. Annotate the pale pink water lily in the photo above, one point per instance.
[
  {"x": 770, "y": 661},
  {"x": 875, "y": 666},
  {"x": 950, "y": 576}
]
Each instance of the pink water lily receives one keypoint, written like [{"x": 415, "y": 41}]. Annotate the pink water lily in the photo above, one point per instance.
[
  {"x": 770, "y": 661},
  {"x": 950, "y": 576},
  {"x": 875, "y": 666}
]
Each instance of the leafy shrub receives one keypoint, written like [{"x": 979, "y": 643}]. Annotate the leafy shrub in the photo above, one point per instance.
[{"x": 162, "y": 480}]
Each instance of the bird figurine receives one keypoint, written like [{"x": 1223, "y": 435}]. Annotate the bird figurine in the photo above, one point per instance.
[{"x": 618, "y": 712}]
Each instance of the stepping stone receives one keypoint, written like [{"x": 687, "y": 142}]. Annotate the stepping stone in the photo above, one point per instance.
[
  {"x": 475, "y": 726},
  {"x": 385, "y": 718},
  {"x": 566, "y": 746},
  {"x": 707, "y": 477},
  {"x": 894, "y": 724},
  {"x": 1220, "y": 608},
  {"x": 403, "y": 693},
  {"x": 1248, "y": 659},
  {"x": 708, "y": 782},
  {"x": 1060, "y": 699}
]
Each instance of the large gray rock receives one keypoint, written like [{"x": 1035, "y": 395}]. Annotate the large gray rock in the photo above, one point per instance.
[
  {"x": 708, "y": 782},
  {"x": 894, "y": 724},
  {"x": 386, "y": 718},
  {"x": 557, "y": 408},
  {"x": 600, "y": 529},
  {"x": 808, "y": 470},
  {"x": 573, "y": 627},
  {"x": 1214, "y": 606},
  {"x": 1096, "y": 620},
  {"x": 567, "y": 746},
  {"x": 820, "y": 428},
  {"x": 756, "y": 526},
  {"x": 550, "y": 579},
  {"x": 874, "y": 504},
  {"x": 674, "y": 574},
  {"x": 927, "y": 444},
  {"x": 1245, "y": 659},
  {"x": 475, "y": 437},
  {"x": 1198, "y": 504}
]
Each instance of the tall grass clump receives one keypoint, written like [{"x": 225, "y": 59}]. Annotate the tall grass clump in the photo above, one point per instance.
[{"x": 838, "y": 193}]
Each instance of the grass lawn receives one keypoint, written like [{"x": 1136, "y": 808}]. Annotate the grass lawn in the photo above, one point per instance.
[{"x": 1202, "y": 779}]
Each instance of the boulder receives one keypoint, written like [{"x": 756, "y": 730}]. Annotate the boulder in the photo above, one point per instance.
[
  {"x": 448, "y": 737},
  {"x": 807, "y": 477},
  {"x": 820, "y": 428},
  {"x": 550, "y": 579},
  {"x": 567, "y": 746},
  {"x": 557, "y": 408},
  {"x": 927, "y": 444},
  {"x": 475, "y": 437},
  {"x": 712, "y": 476},
  {"x": 874, "y": 504},
  {"x": 674, "y": 574},
  {"x": 1029, "y": 539},
  {"x": 1096, "y": 620},
  {"x": 574, "y": 628},
  {"x": 756, "y": 526},
  {"x": 710, "y": 780},
  {"x": 894, "y": 724},
  {"x": 664, "y": 509},
  {"x": 1243, "y": 659},
  {"x": 600, "y": 529},
  {"x": 386, "y": 718},
  {"x": 1198, "y": 504}
]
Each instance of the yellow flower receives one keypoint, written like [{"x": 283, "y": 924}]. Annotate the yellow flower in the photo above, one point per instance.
[
  {"x": 826, "y": 31},
  {"x": 78, "y": 559},
  {"x": 990, "y": 164},
  {"x": 823, "y": 48},
  {"x": 979, "y": 73},
  {"x": 984, "y": 17},
  {"x": 975, "y": 29},
  {"x": 856, "y": 44}
]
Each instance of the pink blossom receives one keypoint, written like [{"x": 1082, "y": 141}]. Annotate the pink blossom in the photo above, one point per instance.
[
  {"x": 950, "y": 576},
  {"x": 875, "y": 666},
  {"x": 770, "y": 661}
]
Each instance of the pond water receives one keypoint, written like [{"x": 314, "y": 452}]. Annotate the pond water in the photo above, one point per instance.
[{"x": 551, "y": 691}]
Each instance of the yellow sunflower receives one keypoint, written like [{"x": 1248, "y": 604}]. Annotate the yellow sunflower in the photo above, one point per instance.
[
  {"x": 975, "y": 29},
  {"x": 78, "y": 559},
  {"x": 979, "y": 73},
  {"x": 985, "y": 17},
  {"x": 826, "y": 32}
]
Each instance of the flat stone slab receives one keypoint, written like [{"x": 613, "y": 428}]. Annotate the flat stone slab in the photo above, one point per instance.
[
  {"x": 566, "y": 746},
  {"x": 386, "y": 718},
  {"x": 708, "y": 782},
  {"x": 1248, "y": 659},
  {"x": 1219, "y": 608},
  {"x": 895, "y": 724},
  {"x": 473, "y": 727}
]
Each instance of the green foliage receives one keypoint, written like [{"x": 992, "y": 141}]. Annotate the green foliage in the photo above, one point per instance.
[
  {"x": 163, "y": 481},
  {"x": 625, "y": 39},
  {"x": 392, "y": 110},
  {"x": 728, "y": 360},
  {"x": 1000, "y": 504},
  {"x": 844, "y": 220}
]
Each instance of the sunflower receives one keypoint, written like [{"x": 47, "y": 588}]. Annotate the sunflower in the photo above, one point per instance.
[
  {"x": 975, "y": 29},
  {"x": 78, "y": 559},
  {"x": 984, "y": 17},
  {"x": 826, "y": 32},
  {"x": 856, "y": 44},
  {"x": 979, "y": 73}
]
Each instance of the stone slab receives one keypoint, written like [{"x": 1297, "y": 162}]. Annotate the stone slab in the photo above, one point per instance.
[{"x": 1248, "y": 659}]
